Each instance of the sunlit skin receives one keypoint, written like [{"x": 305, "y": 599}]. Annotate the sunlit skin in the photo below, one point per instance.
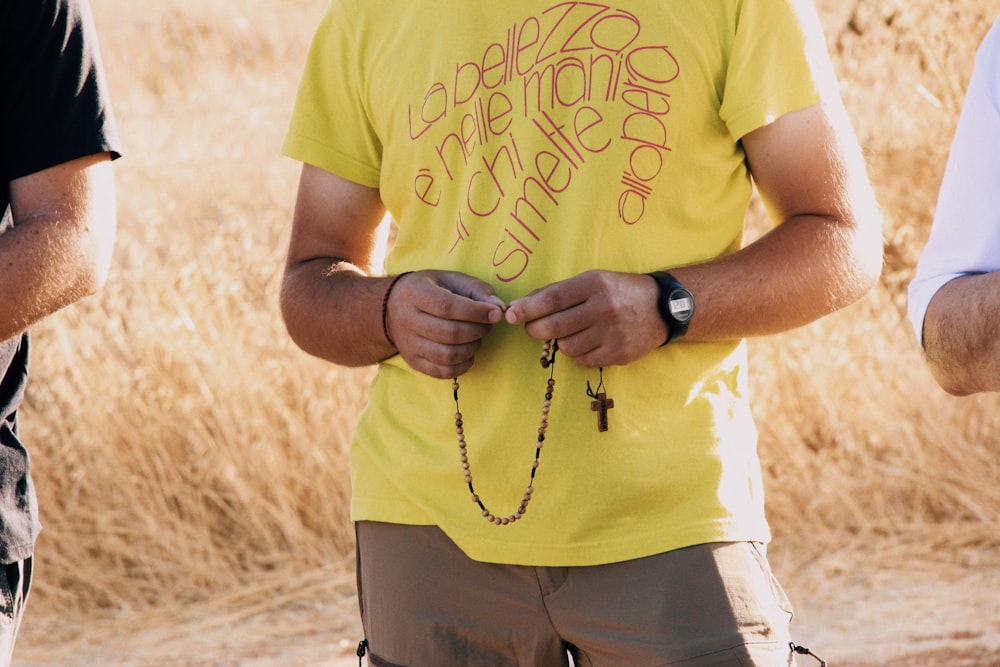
[
  {"x": 960, "y": 334},
  {"x": 824, "y": 254},
  {"x": 59, "y": 249}
]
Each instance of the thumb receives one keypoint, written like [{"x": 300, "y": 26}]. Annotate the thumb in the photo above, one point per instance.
[{"x": 471, "y": 288}]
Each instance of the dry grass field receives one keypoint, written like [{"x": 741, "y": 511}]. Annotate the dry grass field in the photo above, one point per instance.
[{"x": 191, "y": 462}]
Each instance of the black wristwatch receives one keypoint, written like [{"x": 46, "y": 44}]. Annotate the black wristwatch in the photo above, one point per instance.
[{"x": 676, "y": 305}]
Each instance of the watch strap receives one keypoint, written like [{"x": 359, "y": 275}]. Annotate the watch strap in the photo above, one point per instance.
[{"x": 668, "y": 284}]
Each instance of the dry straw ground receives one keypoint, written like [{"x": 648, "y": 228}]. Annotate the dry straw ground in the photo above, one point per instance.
[{"x": 191, "y": 462}]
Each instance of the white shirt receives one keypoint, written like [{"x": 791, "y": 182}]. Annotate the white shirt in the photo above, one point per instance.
[{"x": 965, "y": 235}]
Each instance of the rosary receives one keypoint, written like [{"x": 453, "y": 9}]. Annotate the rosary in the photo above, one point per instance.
[{"x": 601, "y": 404}]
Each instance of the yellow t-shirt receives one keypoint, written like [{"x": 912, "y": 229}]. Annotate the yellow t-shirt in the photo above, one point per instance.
[{"x": 524, "y": 142}]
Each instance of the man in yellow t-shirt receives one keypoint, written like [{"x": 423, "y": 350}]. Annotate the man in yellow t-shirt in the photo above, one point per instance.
[{"x": 558, "y": 454}]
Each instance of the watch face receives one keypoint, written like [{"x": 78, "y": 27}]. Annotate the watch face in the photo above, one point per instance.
[{"x": 681, "y": 305}]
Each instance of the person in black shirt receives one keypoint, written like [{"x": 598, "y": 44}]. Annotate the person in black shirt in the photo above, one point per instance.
[{"x": 57, "y": 142}]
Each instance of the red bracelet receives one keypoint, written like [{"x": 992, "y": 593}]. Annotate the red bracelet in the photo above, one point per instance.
[{"x": 385, "y": 307}]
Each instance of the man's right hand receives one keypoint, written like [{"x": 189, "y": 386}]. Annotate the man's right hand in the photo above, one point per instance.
[
  {"x": 437, "y": 319},
  {"x": 332, "y": 290}
]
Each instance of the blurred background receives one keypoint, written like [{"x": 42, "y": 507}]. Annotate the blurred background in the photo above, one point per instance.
[{"x": 191, "y": 463}]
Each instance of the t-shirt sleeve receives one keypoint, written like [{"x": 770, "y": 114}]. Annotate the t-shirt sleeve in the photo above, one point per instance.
[
  {"x": 55, "y": 105},
  {"x": 965, "y": 234},
  {"x": 779, "y": 63},
  {"x": 330, "y": 127}
]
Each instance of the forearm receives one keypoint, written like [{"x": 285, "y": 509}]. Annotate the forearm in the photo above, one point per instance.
[
  {"x": 333, "y": 310},
  {"x": 48, "y": 263},
  {"x": 59, "y": 249},
  {"x": 826, "y": 251},
  {"x": 961, "y": 338},
  {"x": 807, "y": 267},
  {"x": 800, "y": 271}
]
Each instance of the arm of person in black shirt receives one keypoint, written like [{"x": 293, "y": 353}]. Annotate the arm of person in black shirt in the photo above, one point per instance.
[{"x": 59, "y": 249}]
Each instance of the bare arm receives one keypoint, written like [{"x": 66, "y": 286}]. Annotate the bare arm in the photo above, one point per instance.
[
  {"x": 331, "y": 297},
  {"x": 961, "y": 338},
  {"x": 59, "y": 249},
  {"x": 825, "y": 254}
]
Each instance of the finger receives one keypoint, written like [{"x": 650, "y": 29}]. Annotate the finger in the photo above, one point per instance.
[
  {"x": 445, "y": 331},
  {"x": 442, "y": 361},
  {"x": 605, "y": 343},
  {"x": 472, "y": 288},
  {"x": 448, "y": 297},
  {"x": 546, "y": 302},
  {"x": 581, "y": 346},
  {"x": 441, "y": 372}
]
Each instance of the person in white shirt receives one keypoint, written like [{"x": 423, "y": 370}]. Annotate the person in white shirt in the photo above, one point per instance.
[{"x": 954, "y": 298}]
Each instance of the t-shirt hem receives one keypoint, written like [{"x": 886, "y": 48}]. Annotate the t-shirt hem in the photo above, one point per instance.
[
  {"x": 773, "y": 108},
  {"x": 60, "y": 158},
  {"x": 12, "y": 554},
  {"x": 310, "y": 151},
  {"x": 581, "y": 553}
]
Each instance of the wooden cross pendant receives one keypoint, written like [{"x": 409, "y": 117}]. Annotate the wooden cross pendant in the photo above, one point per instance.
[{"x": 601, "y": 407}]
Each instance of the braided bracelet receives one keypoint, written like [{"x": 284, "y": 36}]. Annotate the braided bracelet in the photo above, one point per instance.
[{"x": 385, "y": 307}]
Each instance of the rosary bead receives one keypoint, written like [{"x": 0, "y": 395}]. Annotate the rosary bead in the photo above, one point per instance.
[{"x": 547, "y": 361}]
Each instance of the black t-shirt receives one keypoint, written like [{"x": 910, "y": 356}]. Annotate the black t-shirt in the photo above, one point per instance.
[{"x": 53, "y": 108}]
